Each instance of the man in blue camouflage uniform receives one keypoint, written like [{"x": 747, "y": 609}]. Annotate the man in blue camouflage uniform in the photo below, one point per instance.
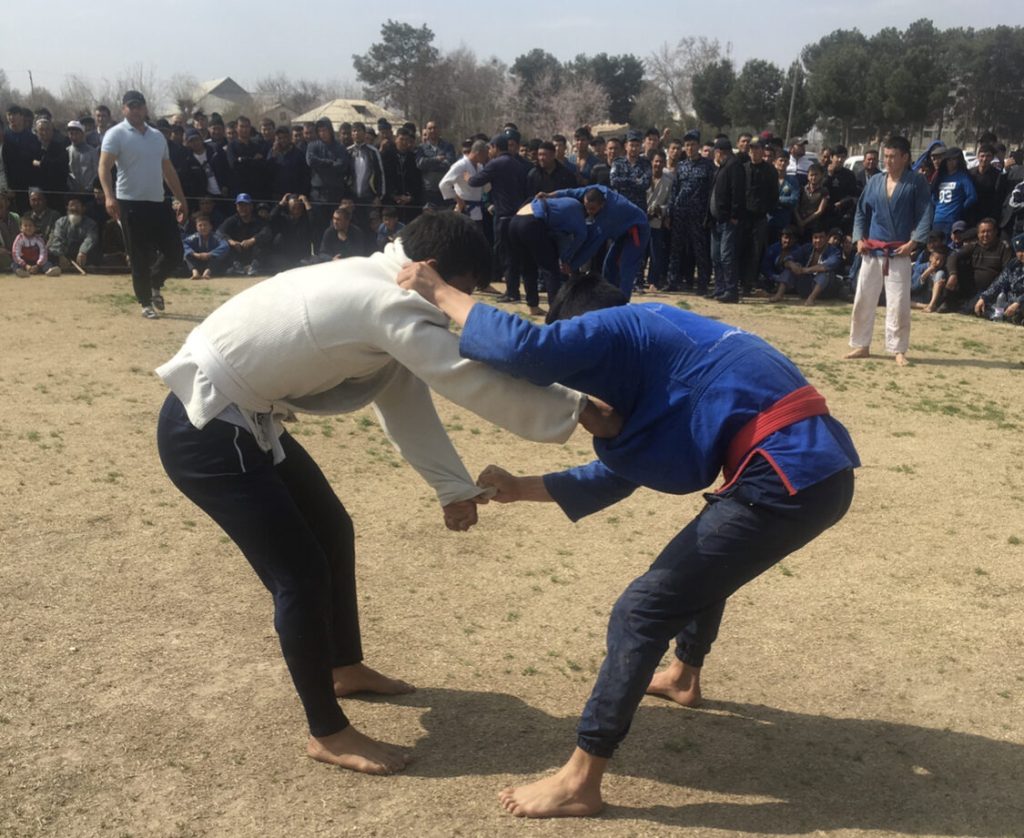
[
  {"x": 631, "y": 175},
  {"x": 691, "y": 244}
]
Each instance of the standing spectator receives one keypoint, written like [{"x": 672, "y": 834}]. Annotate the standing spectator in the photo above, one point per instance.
[
  {"x": 247, "y": 159},
  {"x": 799, "y": 162},
  {"x": 143, "y": 166},
  {"x": 92, "y": 136},
  {"x": 691, "y": 195},
  {"x": 843, "y": 191},
  {"x": 204, "y": 172},
  {"x": 454, "y": 186},
  {"x": 953, "y": 192},
  {"x": 652, "y": 142},
  {"x": 727, "y": 209},
  {"x": 176, "y": 147},
  {"x": 894, "y": 213},
  {"x": 631, "y": 175},
  {"x": 75, "y": 238},
  {"x": 789, "y": 197},
  {"x": 659, "y": 200},
  {"x": 404, "y": 180},
  {"x": 21, "y": 148},
  {"x": 761, "y": 198},
  {"x": 343, "y": 239},
  {"x": 29, "y": 256},
  {"x": 10, "y": 226},
  {"x": 104, "y": 122},
  {"x": 548, "y": 175},
  {"x": 989, "y": 185},
  {"x": 286, "y": 167},
  {"x": 218, "y": 134},
  {"x": 83, "y": 161},
  {"x": 206, "y": 252},
  {"x": 813, "y": 204},
  {"x": 868, "y": 169},
  {"x": 561, "y": 146},
  {"x": 507, "y": 180},
  {"x": 330, "y": 172},
  {"x": 297, "y": 141},
  {"x": 368, "y": 184},
  {"x": 248, "y": 237},
  {"x": 583, "y": 159},
  {"x": 267, "y": 131},
  {"x": 43, "y": 217},
  {"x": 434, "y": 157}
]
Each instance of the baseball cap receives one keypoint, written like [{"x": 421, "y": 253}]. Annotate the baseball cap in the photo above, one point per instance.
[
  {"x": 797, "y": 141},
  {"x": 960, "y": 226},
  {"x": 243, "y": 198},
  {"x": 693, "y": 135},
  {"x": 191, "y": 132},
  {"x": 634, "y": 136},
  {"x": 133, "y": 97},
  {"x": 500, "y": 142},
  {"x": 723, "y": 144},
  {"x": 1018, "y": 242},
  {"x": 74, "y": 124}
]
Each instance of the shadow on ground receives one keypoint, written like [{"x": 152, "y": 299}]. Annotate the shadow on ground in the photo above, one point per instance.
[{"x": 818, "y": 772}]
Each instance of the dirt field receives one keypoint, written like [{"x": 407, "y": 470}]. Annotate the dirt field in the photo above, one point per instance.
[{"x": 873, "y": 683}]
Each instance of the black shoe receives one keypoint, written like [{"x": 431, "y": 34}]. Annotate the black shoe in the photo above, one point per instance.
[
  {"x": 728, "y": 298},
  {"x": 505, "y": 298},
  {"x": 157, "y": 299}
]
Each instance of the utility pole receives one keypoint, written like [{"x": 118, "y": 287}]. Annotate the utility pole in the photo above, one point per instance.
[
  {"x": 792, "y": 99},
  {"x": 31, "y": 85}
]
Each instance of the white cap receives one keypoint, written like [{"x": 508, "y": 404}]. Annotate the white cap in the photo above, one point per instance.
[{"x": 74, "y": 123}]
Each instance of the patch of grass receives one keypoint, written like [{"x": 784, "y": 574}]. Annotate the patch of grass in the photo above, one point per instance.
[
  {"x": 685, "y": 306},
  {"x": 531, "y": 670},
  {"x": 1013, "y": 539},
  {"x": 899, "y": 434},
  {"x": 903, "y": 468},
  {"x": 87, "y": 346},
  {"x": 785, "y": 571}
]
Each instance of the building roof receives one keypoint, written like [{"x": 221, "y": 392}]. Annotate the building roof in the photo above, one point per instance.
[{"x": 349, "y": 110}]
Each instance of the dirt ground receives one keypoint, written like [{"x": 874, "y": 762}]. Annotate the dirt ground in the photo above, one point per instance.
[{"x": 873, "y": 683}]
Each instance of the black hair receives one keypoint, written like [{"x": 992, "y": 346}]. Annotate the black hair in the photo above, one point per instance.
[
  {"x": 898, "y": 143},
  {"x": 659, "y": 153},
  {"x": 102, "y": 109},
  {"x": 987, "y": 148},
  {"x": 451, "y": 239},
  {"x": 791, "y": 231},
  {"x": 583, "y": 293},
  {"x": 593, "y": 195},
  {"x": 652, "y": 132},
  {"x": 547, "y": 145},
  {"x": 559, "y": 138}
]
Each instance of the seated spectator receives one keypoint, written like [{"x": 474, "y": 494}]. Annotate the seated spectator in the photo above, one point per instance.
[
  {"x": 29, "y": 256},
  {"x": 342, "y": 239},
  {"x": 206, "y": 252},
  {"x": 83, "y": 161},
  {"x": 389, "y": 229},
  {"x": 928, "y": 275},
  {"x": 10, "y": 225},
  {"x": 209, "y": 207},
  {"x": 843, "y": 242},
  {"x": 75, "y": 238},
  {"x": 1004, "y": 298},
  {"x": 39, "y": 211},
  {"x": 1014, "y": 212},
  {"x": 549, "y": 175},
  {"x": 290, "y": 226},
  {"x": 111, "y": 237},
  {"x": 247, "y": 236},
  {"x": 974, "y": 268},
  {"x": 811, "y": 270},
  {"x": 958, "y": 236}
]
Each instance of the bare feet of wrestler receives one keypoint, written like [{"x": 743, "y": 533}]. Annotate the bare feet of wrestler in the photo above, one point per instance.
[
  {"x": 357, "y": 752},
  {"x": 901, "y": 360},
  {"x": 359, "y": 678},
  {"x": 859, "y": 352},
  {"x": 680, "y": 683},
  {"x": 574, "y": 792}
]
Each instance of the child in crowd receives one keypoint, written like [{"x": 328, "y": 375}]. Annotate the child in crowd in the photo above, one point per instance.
[
  {"x": 205, "y": 251},
  {"x": 29, "y": 256},
  {"x": 928, "y": 275},
  {"x": 774, "y": 262},
  {"x": 813, "y": 203},
  {"x": 389, "y": 228}
]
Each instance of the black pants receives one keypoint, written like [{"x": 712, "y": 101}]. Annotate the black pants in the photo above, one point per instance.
[
  {"x": 295, "y": 533},
  {"x": 690, "y": 248},
  {"x": 536, "y": 253},
  {"x": 506, "y": 260},
  {"x": 153, "y": 242}
]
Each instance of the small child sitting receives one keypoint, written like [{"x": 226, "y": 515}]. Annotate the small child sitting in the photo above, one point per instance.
[
  {"x": 29, "y": 256},
  {"x": 206, "y": 252},
  {"x": 389, "y": 229},
  {"x": 928, "y": 278}
]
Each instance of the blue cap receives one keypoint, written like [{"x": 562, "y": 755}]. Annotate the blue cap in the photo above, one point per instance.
[
  {"x": 692, "y": 135},
  {"x": 1018, "y": 242},
  {"x": 500, "y": 142},
  {"x": 243, "y": 198}
]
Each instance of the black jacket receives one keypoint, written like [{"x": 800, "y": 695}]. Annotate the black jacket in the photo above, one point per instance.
[
  {"x": 762, "y": 189},
  {"x": 728, "y": 194}
]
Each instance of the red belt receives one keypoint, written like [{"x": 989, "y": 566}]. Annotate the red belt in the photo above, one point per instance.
[
  {"x": 886, "y": 248},
  {"x": 802, "y": 403}
]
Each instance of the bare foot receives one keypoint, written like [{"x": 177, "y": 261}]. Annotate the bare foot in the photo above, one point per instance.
[
  {"x": 359, "y": 678},
  {"x": 928, "y": 309},
  {"x": 901, "y": 360},
  {"x": 859, "y": 352},
  {"x": 357, "y": 752},
  {"x": 195, "y": 274},
  {"x": 574, "y": 792},
  {"x": 679, "y": 683}
]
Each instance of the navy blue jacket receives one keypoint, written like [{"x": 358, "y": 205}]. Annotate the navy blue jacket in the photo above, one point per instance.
[{"x": 507, "y": 178}]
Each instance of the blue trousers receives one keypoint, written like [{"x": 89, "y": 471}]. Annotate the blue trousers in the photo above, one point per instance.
[
  {"x": 622, "y": 264},
  {"x": 736, "y": 537},
  {"x": 295, "y": 533},
  {"x": 725, "y": 258}
]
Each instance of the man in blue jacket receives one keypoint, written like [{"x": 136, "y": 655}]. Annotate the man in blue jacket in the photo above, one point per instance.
[
  {"x": 810, "y": 269},
  {"x": 697, "y": 397}
]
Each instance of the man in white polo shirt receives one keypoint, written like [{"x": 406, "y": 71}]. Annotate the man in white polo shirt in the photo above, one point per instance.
[{"x": 143, "y": 164}]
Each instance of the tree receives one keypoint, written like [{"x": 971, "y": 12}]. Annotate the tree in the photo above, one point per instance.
[
  {"x": 551, "y": 107},
  {"x": 394, "y": 69},
  {"x": 621, "y": 77},
  {"x": 471, "y": 96},
  {"x": 672, "y": 68},
  {"x": 753, "y": 98},
  {"x": 651, "y": 108},
  {"x": 711, "y": 89},
  {"x": 182, "y": 90},
  {"x": 803, "y": 114},
  {"x": 836, "y": 68}
]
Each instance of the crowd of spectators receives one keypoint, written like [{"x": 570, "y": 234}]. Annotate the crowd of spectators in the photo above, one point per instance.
[{"x": 761, "y": 217}]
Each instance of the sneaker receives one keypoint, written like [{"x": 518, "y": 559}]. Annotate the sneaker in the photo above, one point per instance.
[
  {"x": 158, "y": 299},
  {"x": 236, "y": 269},
  {"x": 150, "y": 313},
  {"x": 21, "y": 272},
  {"x": 54, "y": 271},
  {"x": 505, "y": 298},
  {"x": 250, "y": 270}
]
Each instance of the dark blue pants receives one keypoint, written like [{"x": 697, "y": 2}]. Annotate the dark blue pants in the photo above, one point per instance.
[
  {"x": 724, "y": 245},
  {"x": 690, "y": 250},
  {"x": 625, "y": 256},
  {"x": 736, "y": 537},
  {"x": 295, "y": 533}
]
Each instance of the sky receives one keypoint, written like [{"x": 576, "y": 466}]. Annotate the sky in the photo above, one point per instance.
[{"x": 317, "y": 40}]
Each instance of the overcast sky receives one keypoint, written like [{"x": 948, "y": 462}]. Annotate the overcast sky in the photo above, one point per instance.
[{"x": 310, "y": 39}]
